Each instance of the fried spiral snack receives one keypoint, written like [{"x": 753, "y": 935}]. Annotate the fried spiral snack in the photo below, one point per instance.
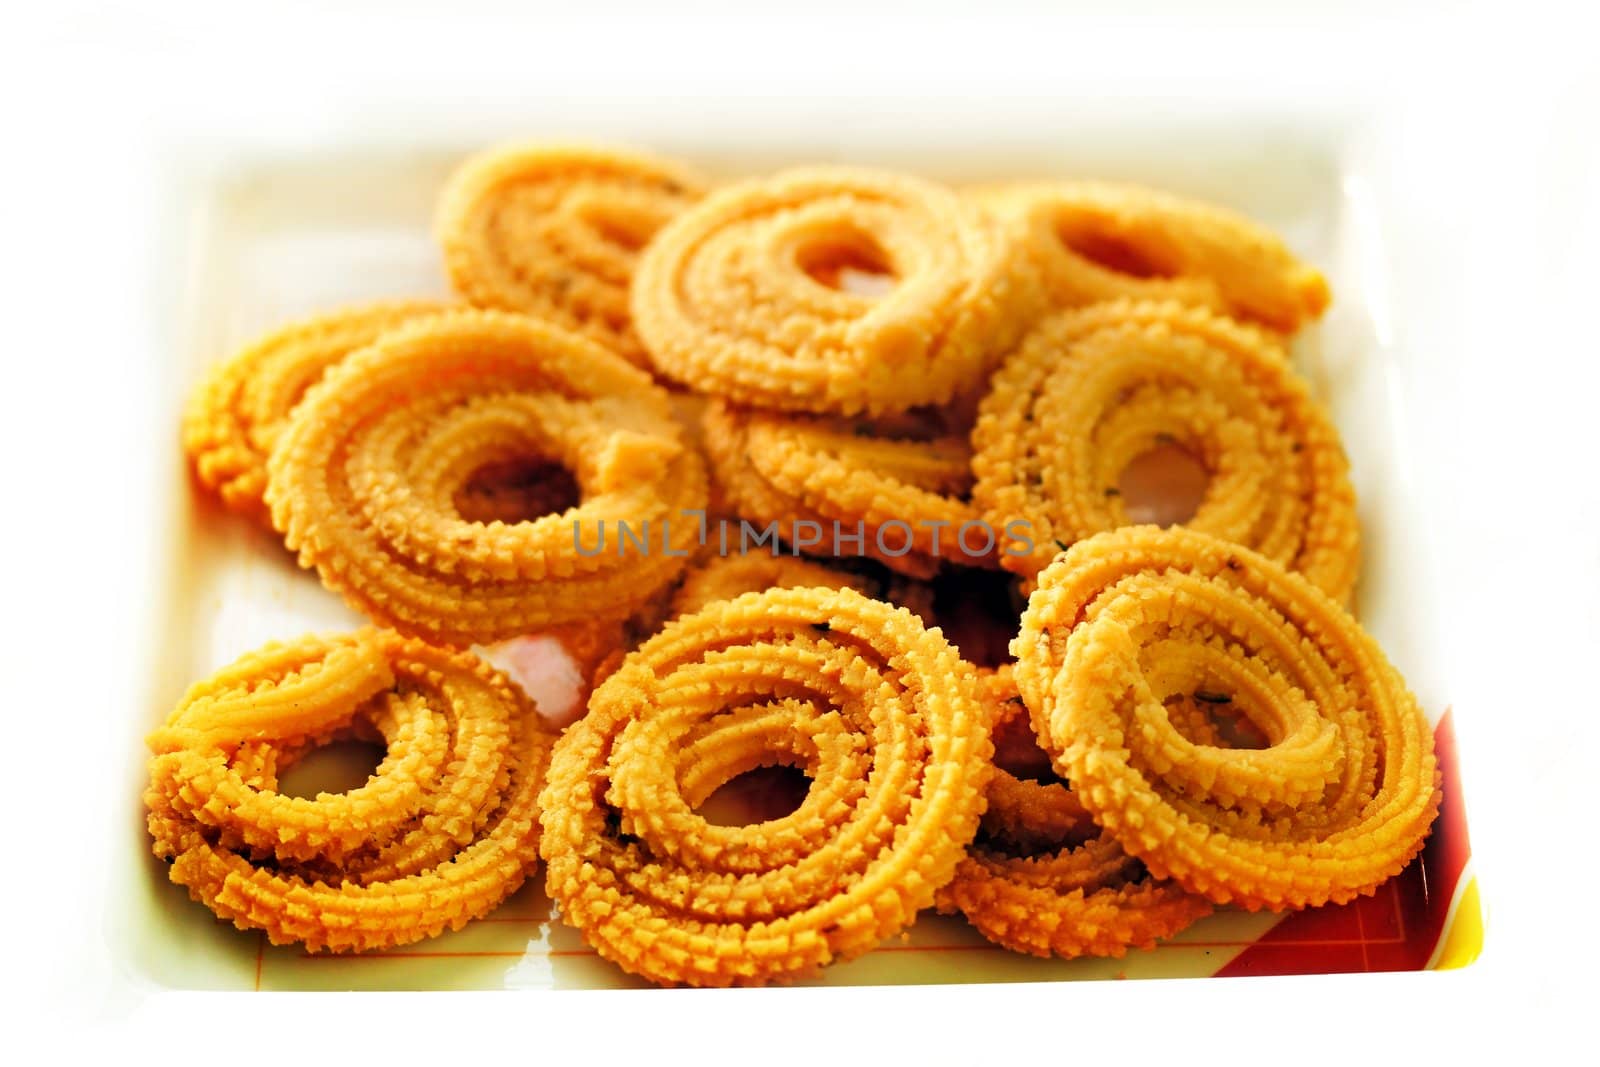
[
  {"x": 1340, "y": 800},
  {"x": 235, "y": 415},
  {"x": 728, "y": 577},
  {"x": 1025, "y": 813},
  {"x": 443, "y": 830},
  {"x": 738, "y": 296},
  {"x": 904, "y": 494},
  {"x": 555, "y": 231},
  {"x": 363, "y": 484},
  {"x": 1089, "y": 391},
  {"x": 1087, "y": 898},
  {"x": 1096, "y": 241},
  {"x": 882, "y": 714},
  {"x": 1043, "y": 879}
]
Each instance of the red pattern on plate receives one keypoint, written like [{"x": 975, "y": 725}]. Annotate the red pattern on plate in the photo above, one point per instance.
[{"x": 1395, "y": 930}]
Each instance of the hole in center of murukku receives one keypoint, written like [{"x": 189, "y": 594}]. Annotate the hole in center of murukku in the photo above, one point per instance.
[
  {"x": 1236, "y": 730},
  {"x": 855, "y": 266},
  {"x": 756, "y": 796},
  {"x": 623, "y": 231},
  {"x": 1210, "y": 716},
  {"x": 334, "y": 768},
  {"x": 1164, "y": 486},
  {"x": 1111, "y": 251},
  {"x": 517, "y": 490},
  {"x": 1017, "y": 752},
  {"x": 625, "y": 220}
]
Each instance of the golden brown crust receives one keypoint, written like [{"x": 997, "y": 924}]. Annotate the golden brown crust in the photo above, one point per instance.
[
  {"x": 1043, "y": 879},
  {"x": 727, "y": 577},
  {"x": 236, "y": 414},
  {"x": 1343, "y": 797},
  {"x": 1027, "y": 815},
  {"x": 1099, "y": 241},
  {"x": 363, "y": 484},
  {"x": 873, "y": 489},
  {"x": 555, "y": 231},
  {"x": 1080, "y": 900},
  {"x": 731, "y": 298},
  {"x": 882, "y": 714},
  {"x": 1088, "y": 391},
  {"x": 446, "y": 827}
]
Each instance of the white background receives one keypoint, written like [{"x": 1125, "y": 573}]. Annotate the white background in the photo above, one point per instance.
[{"x": 1493, "y": 110}]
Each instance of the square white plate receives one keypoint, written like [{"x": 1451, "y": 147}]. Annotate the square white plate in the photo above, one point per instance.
[{"x": 280, "y": 237}]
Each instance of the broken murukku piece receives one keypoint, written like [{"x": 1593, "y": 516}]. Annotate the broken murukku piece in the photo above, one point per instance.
[
  {"x": 1088, "y": 392},
  {"x": 1126, "y": 623},
  {"x": 555, "y": 231},
  {"x": 364, "y": 483},
  {"x": 880, "y": 711},
  {"x": 442, "y": 831},
  {"x": 744, "y": 296},
  {"x": 1098, "y": 241},
  {"x": 235, "y": 415}
]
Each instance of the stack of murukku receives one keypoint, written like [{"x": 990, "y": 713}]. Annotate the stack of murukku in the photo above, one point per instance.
[
  {"x": 494, "y": 482},
  {"x": 544, "y": 497}
]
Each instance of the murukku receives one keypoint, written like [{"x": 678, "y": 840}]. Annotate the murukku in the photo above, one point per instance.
[
  {"x": 445, "y": 828},
  {"x": 881, "y": 713},
  {"x": 1128, "y": 622},
  {"x": 1043, "y": 879},
  {"x": 1097, "y": 241},
  {"x": 890, "y": 491},
  {"x": 364, "y": 482},
  {"x": 1023, "y": 811},
  {"x": 1088, "y": 899},
  {"x": 235, "y": 415},
  {"x": 1087, "y": 392},
  {"x": 742, "y": 296},
  {"x": 555, "y": 231},
  {"x": 728, "y": 577}
]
